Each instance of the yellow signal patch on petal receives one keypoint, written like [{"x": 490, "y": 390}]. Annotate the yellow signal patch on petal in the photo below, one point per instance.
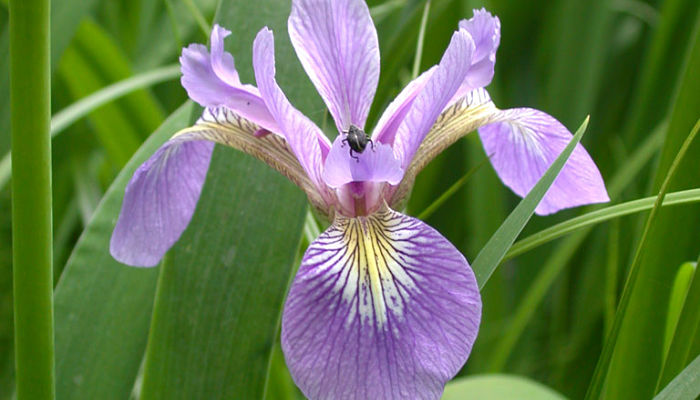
[{"x": 371, "y": 264}]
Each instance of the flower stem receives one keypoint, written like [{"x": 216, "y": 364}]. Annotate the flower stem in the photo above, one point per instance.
[{"x": 31, "y": 198}]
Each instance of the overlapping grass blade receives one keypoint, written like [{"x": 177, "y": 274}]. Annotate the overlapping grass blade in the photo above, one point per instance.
[
  {"x": 643, "y": 304},
  {"x": 103, "y": 308},
  {"x": 684, "y": 386},
  {"x": 221, "y": 289},
  {"x": 493, "y": 252}
]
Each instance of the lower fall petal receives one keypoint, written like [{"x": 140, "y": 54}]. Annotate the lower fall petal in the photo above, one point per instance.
[
  {"x": 525, "y": 143},
  {"x": 382, "y": 307},
  {"x": 159, "y": 201}
]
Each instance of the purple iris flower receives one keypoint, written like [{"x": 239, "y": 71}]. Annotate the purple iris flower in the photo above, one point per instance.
[{"x": 383, "y": 306}]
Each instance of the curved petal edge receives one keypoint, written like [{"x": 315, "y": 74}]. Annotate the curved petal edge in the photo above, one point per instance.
[
  {"x": 525, "y": 143},
  {"x": 159, "y": 202},
  {"x": 382, "y": 307}
]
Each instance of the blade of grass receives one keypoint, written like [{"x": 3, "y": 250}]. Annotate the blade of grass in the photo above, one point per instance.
[
  {"x": 598, "y": 216},
  {"x": 493, "y": 252},
  {"x": 684, "y": 386},
  {"x": 563, "y": 254},
  {"x": 606, "y": 357},
  {"x": 30, "y": 97},
  {"x": 81, "y": 108},
  {"x": 428, "y": 211},
  {"x": 647, "y": 308},
  {"x": 103, "y": 308},
  {"x": 687, "y": 328},
  {"x": 421, "y": 39}
]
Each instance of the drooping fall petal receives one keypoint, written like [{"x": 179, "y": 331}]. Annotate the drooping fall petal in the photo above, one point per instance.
[
  {"x": 382, "y": 307},
  {"x": 525, "y": 143},
  {"x": 159, "y": 201}
]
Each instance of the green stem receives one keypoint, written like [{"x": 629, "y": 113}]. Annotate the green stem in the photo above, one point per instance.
[
  {"x": 31, "y": 198},
  {"x": 421, "y": 38}
]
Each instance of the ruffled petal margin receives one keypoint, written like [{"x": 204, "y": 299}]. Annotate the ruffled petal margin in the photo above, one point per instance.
[
  {"x": 212, "y": 81},
  {"x": 525, "y": 143},
  {"x": 382, "y": 307},
  {"x": 159, "y": 201},
  {"x": 337, "y": 44}
]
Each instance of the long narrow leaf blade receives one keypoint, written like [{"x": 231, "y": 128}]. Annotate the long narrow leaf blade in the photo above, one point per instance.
[
  {"x": 493, "y": 252},
  {"x": 103, "y": 308}
]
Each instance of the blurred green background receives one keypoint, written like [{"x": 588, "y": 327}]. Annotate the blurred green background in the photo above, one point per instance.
[{"x": 633, "y": 66}]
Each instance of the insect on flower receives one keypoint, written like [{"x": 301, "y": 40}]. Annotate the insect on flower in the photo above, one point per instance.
[
  {"x": 383, "y": 306},
  {"x": 357, "y": 139}
]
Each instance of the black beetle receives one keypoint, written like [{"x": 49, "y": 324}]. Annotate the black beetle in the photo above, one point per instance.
[{"x": 357, "y": 139}]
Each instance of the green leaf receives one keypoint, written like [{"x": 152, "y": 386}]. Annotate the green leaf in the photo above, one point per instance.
[
  {"x": 679, "y": 293},
  {"x": 643, "y": 306},
  {"x": 103, "y": 308},
  {"x": 69, "y": 115},
  {"x": 498, "y": 387},
  {"x": 686, "y": 329},
  {"x": 684, "y": 386},
  {"x": 65, "y": 16},
  {"x": 221, "y": 288},
  {"x": 595, "y": 217},
  {"x": 493, "y": 252},
  {"x": 92, "y": 62}
]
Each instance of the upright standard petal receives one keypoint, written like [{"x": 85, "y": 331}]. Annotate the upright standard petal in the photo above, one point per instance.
[
  {"x": 441, "y": 87},
  {"x": 337, "y": 45},
  {"x": 393, "y": 116},
  {"x": 382, "y": 307},
  {"x": 376, "y": 164},
  {"x": 485, "y": 29},
  {"x": 212, "y": 81},
  {"x": 304, "y": 137},
  {"x": 525, "y": 143},
  {"x": 159, "y": 201}
]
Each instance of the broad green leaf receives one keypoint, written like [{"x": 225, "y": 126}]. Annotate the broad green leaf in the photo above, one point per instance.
[
  {"x": 684, "y": 386},
  {"x": 639, "y": 340},
  {"x": 221, "y": 288},
  {"x": 498, "y": 387},
  {"x": 685, "y": 331},
  {"x": 493, "y": 252},
  {"x": 103, "y": 308}
]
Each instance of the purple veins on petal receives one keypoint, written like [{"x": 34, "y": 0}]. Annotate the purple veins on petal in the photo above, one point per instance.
[
  {"x": 376, "y": 163},
  {"x": 391, "y": 119},
  {"x": 382, "y": 307},
  {"x": 485, "y": 29},
  {"x": 212, "y": 81},
  {"x": 337, "y": 44},
  {"x": 159, "y": 202},
  {"x": 304, "y": 138},
  {"x": 525, "y": 143},
  {"x": 436, "y": 94}
]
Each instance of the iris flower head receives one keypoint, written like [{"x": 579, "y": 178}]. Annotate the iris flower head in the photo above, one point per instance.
[{"x": 382, "y": 306}]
